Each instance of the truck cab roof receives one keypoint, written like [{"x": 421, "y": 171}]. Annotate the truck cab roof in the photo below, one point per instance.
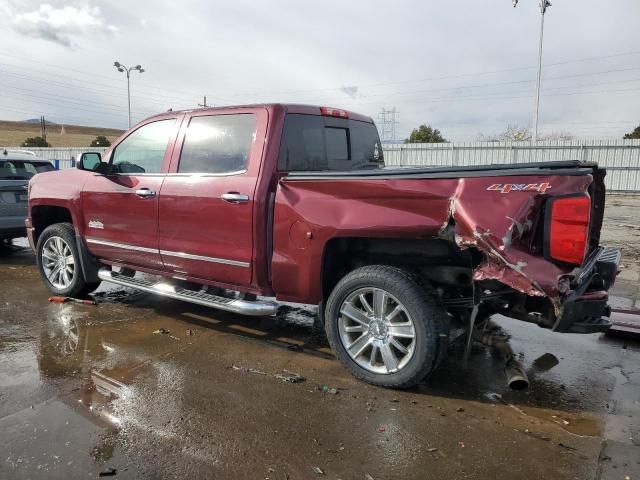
[{"x": 287, "y": 107}]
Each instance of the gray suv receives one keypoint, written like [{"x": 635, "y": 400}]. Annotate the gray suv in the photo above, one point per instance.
[{"x": 16, "y": 169}]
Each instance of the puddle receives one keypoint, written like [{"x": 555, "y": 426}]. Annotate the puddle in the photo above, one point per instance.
[{"x": 577, "y": 424}]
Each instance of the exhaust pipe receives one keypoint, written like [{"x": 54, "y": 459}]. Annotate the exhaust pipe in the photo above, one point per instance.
[{"x": 516, "y": 378}]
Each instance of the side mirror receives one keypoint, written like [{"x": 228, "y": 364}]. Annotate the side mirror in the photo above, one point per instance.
[
  {"x": 89, "y": 161},
  {"x": 92, "y": 162}
]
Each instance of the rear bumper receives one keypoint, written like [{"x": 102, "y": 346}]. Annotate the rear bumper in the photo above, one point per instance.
[
  {"x": 586, "y": 309},
  {"x": 14, "y": 232},
  {"x": 12, "y": 226}
]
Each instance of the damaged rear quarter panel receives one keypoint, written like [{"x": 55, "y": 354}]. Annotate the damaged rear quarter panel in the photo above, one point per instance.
[
  {"x": 309, "y": 213},
  {"x": 502, "y": 226}
]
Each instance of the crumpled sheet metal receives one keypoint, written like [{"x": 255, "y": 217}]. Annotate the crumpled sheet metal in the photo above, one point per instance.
[{"x": 502, "y": 226}]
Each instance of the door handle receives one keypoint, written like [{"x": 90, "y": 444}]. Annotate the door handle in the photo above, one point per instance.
[
  {"x": 145, "y": 193},
  {"x": 235, "y": 197}
]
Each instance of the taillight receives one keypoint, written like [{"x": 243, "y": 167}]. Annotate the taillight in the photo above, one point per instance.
[
  {"x": 334, "y": 112},
  {"x": 568, "y": 228}
]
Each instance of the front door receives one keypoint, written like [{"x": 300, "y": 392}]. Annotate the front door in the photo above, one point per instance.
[
  {"x": 121, "y": 208},
  {"x": 207, "y": 202}
]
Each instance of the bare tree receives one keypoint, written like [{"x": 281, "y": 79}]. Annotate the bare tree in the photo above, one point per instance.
[
  {"x": 518, "y": 133},
  {"x": 513, "y": 133}
]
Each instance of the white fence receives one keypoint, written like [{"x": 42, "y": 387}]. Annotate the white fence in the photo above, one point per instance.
[{"x": 621, "y": 158}]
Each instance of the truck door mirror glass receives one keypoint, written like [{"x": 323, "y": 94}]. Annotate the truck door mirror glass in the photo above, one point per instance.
[{"x": 89, "y": 161}]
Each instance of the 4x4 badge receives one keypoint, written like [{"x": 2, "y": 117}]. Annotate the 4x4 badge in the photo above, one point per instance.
[{"x": 519, "y": 187}]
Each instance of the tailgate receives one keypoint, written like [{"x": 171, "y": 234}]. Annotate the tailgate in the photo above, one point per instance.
[
  {"x": 597, "y": 194},
  {"x": 13, "y": 203}
]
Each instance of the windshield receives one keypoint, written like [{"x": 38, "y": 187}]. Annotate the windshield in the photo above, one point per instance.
[
  {"x": 317, "y": 143},
  {"x": 22, "y": 169}
]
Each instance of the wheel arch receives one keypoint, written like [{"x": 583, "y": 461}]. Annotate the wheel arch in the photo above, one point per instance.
[
  {"x": 446, "y": 262},
  {"x": 45, "y": 215}
]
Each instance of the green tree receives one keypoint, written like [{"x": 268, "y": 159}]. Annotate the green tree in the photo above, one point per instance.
[
  {"x": 100, "y": 141},
  {"x": 35, "y": 142},
  {"x": 634, "y": 134},
  {"x": 425, "y": 134}
]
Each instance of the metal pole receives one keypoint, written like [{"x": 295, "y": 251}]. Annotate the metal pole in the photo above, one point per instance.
[
  {"x": 543, "y": 8},
  {"x": 129, "y": 96}
]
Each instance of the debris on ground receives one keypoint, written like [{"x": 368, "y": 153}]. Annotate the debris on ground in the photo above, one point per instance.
[
  {"x": 460, "y": 409},
  {"x": 328, "y": 389},
  {"x": 109, "y": 472},
  {"x": 189, "y": 332},
  {"x": 545, "y": 362},
  {"x": 461, "y": 444},
  {"x": 318, "y": 470},
  {"x": 539, "y": 436},
  {"x": 382, "y": 429},
  {"x": 394, "y": 400},
  {"x": 72, "y": 300},
  {"x": 291, "y": 377},
  {"x": 368, "y": 477},
  {"x": 431, "y": 450},
  {"x": 248, "y": 370},
  {"x": 164, "y": 331},
  {"x": 295, "y": 348},
  {"x": 567, "y": 447},
  {"x": 558, "y": 420},
  {"x": 336, "y": 450},
  {"x": 625, "y": 322}
]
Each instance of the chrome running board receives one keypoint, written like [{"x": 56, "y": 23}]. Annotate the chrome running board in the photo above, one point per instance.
[{"x": 236, "y": 305}]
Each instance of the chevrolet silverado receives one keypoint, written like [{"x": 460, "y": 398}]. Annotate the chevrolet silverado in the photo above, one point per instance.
[{"x": 234, "y": 207}]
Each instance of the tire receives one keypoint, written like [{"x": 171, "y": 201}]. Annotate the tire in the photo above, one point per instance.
[
  {"x": 58, "y": 240},
  {"x": 419, "y": 327}
]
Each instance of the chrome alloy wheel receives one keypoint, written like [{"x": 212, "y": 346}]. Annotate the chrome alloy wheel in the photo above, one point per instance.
[
  {"x": 376, "y": 330},
  {"x": 58, "y": 262}
]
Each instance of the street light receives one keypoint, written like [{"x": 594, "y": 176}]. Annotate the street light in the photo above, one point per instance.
[
  {"x": 543, "y": 9},
  {"x": 122, "y": 68}
]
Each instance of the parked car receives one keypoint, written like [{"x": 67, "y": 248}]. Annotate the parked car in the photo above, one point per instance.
[
  {"x": 17, "y": 167},
  {"x": 232, "y": 205}
]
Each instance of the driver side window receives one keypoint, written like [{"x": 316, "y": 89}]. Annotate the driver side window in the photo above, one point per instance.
[{"x": 143, "y": 150}]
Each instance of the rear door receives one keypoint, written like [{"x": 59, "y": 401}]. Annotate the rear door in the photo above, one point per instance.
[
  {"x": 207, "y": 201},
  {"x": 121, "y": 209}
]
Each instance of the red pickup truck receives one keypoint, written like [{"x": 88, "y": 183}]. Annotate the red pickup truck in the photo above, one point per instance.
[{"x": 230, "y": 207}]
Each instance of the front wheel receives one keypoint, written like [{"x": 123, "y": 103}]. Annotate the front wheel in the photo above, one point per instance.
[
  {"x": 384, "y": 327},
  {"x": 59, "y": 262}
]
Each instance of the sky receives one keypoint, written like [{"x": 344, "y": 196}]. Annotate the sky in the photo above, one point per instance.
[{"x": 465, "y": 67}]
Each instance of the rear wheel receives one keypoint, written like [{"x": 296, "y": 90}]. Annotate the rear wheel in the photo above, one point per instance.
[
  {"x": 384, "y": 327},
  {"x": 59, "y": 262}
]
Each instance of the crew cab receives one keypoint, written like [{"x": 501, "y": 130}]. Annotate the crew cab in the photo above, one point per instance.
[{"x": 240, "y": 207}]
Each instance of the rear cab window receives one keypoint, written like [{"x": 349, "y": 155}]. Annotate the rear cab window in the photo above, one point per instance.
[{"x": 321, "y": 143}]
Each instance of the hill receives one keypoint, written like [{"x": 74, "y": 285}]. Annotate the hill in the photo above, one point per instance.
[{"x": 12, "y": 134}]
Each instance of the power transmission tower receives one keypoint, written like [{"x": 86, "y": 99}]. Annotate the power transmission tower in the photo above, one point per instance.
[
  {"x": 43, "y": 128},
  {"x": 387, "y": 121},
  {"x": 204, "y": 103}
]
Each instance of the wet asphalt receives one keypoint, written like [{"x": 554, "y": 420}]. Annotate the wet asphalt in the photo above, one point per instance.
[{"x": 144, "y": 387}]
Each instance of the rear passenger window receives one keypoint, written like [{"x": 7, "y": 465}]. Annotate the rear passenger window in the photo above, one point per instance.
[
  {"x": 218, "y": 144},
  {"x": 318, "y": 143}
]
